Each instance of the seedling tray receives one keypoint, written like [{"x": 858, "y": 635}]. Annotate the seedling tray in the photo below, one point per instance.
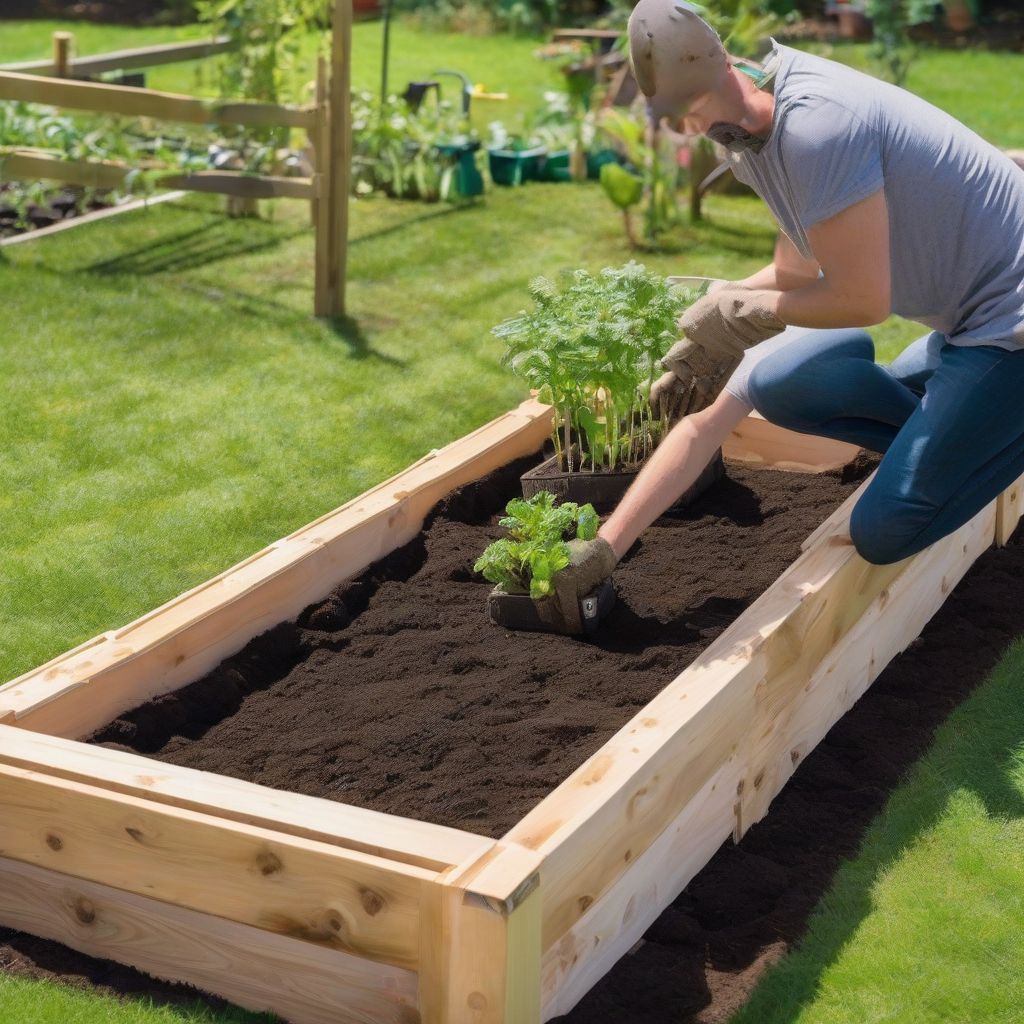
[
  {"x": 604, "y": 490},
  {"x": 323, "y": 912}
]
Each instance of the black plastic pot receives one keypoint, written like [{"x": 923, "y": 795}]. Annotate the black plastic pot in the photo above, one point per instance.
[
  {"x": 604, "y": 490},
  {"x": 519, "y": 611}
]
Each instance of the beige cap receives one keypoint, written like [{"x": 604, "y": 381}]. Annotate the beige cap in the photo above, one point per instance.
[{"x": 675, "y": 54}]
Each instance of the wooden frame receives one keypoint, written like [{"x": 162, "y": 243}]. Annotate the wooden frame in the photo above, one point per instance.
[
  {"x": 328, "y": 913},
  {"x": 327, "y": 124}
]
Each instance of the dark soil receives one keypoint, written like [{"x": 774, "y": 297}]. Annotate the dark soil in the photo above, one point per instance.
[
  {"x": 396, "y": 693},
  {"x": 704, "y": 955},
  {"x": 61, "y": 205}
]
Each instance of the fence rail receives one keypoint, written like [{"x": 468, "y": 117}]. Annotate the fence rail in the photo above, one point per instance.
[
  {"x": 327, "y": 123},
  {"x": 103, "y": 98},
  {"x": 31, "y": 164},
  {"x": 128, "y": 60}
]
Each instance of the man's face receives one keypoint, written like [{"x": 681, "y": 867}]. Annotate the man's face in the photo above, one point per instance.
[{"x": 724, "y": 106}]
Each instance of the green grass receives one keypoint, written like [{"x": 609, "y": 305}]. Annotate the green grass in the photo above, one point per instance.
[
  {"x": 924, "y": 925},
  {"x": 172, "y": 407},
  {"x": 502, "y": 64},
  {"x": 176, "y": 406},
  {"x": 26, "y": 1002}
]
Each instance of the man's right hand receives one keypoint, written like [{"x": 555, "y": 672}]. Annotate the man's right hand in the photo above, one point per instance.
[{"x": 692, "y": 381}]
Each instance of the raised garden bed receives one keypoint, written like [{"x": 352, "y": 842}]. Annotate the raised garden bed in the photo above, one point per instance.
[{"x": 323, "y": 911}]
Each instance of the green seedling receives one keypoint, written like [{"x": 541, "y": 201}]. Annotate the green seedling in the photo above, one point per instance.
[
  {"x": 537, "y": 546},
  {"x": 591, "y": 346}
]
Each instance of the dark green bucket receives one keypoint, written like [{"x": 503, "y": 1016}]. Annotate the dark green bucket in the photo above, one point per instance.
[{"x": 513, "y": 167}]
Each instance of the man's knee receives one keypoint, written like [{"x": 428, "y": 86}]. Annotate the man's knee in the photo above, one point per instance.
[
  {"x": 797, "y": 386},
  {"x": 884, "y": 532},
  {"x": 779, "y": 396}
]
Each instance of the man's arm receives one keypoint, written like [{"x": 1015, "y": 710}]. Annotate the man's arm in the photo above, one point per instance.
[
  {"x": 853, "y": 250},
  {"x": 787, "y": 270},
  {"x": 674, "y": 466}
]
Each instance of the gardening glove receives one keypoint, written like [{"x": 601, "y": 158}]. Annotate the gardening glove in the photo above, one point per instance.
[
  {"x": 727, "y": 322},
  {"x": 692, "y": 381},
  {"x": 590, "y": 562}
]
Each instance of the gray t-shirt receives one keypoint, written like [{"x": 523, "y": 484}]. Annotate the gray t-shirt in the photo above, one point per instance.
[{"x": 956, "y": 203}]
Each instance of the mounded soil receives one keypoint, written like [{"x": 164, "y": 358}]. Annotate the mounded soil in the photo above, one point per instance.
[
  {"x": 704, "y": 955},
  {"x": 397, "y": 694}
]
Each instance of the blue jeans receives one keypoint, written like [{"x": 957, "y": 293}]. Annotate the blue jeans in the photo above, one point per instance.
[{"x": 949, "y": 420}]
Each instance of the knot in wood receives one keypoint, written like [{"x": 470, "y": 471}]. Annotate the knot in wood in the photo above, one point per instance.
[
  {"x": 268, "y": 863},
  {"x": 54, "y": 842},
  {"x": 477, "y": 1001},
  {"x": 84, "y": 910},
  {"x": 373, "y": 903}
]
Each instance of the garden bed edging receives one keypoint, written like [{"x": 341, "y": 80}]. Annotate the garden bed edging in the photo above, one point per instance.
[{"x": 324, "y": 912}]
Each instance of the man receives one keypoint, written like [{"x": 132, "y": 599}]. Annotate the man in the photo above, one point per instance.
[{"x": 888, "y": 205}]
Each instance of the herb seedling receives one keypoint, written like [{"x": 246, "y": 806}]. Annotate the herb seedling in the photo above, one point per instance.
[
  {"x": 591, "y": 347},
  {"x": 536, "y": 548}
]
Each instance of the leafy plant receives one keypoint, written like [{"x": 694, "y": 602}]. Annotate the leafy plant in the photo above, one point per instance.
[
  {"x": 263, "y": 63},
  {"x": 654, "y": 165},
  {"x": 395, "y": 149},
  {"x": 536, "y": 548},
  {"x": 892, "y": 51},
  {"x": 591, "y": 347}
]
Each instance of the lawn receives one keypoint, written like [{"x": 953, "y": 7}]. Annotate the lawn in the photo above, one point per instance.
[{"x": 172, "y": 407}]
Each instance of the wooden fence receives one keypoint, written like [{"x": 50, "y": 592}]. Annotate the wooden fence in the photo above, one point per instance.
[{"x": 326, "y": 122}]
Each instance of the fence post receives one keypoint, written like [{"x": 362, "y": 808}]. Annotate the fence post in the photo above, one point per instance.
[
  {"x": 320, "y": 207},
  {"x": 62, "y": 42},
  {"x": 334, "y": 197}
]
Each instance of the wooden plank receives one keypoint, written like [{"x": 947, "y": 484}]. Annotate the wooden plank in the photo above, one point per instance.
[
  {"x": 760, "y": 443},
  {"x": 620, "y": 801},
  {"x": 89, "y": 218},
  {"x": 801, "y": 699},
  {"x": 126, "y": 60},
  {"x": 245, "y": 186},
  {"x": 255, "y": 969},
  {"x": 309, "y": 890},
  {"x": 1008, "y": 511},
  {"x": 84, "y": 689},
  {"x": 613, "y": 925},
  {"x": 419, "y": 843},
  {"x": 480, "y": 965},
  {"x": 31, "y": 165},
  {"x": 121, "y": 99},
  {"x": 806, "y": 682}
]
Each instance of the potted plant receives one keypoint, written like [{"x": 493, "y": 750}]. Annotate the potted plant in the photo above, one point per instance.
[
  {"x": 513, "y": 157},
  {"x": 592, "y": 348},
  {"x": 522, "y": 565}
]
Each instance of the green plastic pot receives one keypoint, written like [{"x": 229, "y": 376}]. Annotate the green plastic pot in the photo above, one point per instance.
[
  {"x": 468, "y": 179},
  {"x": 513, "y": 167},
  {"x": 555, "y": 166},
  {"x": 597, "y": 159}
]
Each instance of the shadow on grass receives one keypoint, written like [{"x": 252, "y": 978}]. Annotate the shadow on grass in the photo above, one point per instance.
[
  {"x": 347, "y": 330},
  {"x": 197, "y": 247},
  {"x": 443, "y": 211}
]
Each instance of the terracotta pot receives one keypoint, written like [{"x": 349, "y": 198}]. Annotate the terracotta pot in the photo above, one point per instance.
[
  {"x": 855, "y": 25},
  {"x": 959, "y": 16},
  {"x": 366, "y": 6}
]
